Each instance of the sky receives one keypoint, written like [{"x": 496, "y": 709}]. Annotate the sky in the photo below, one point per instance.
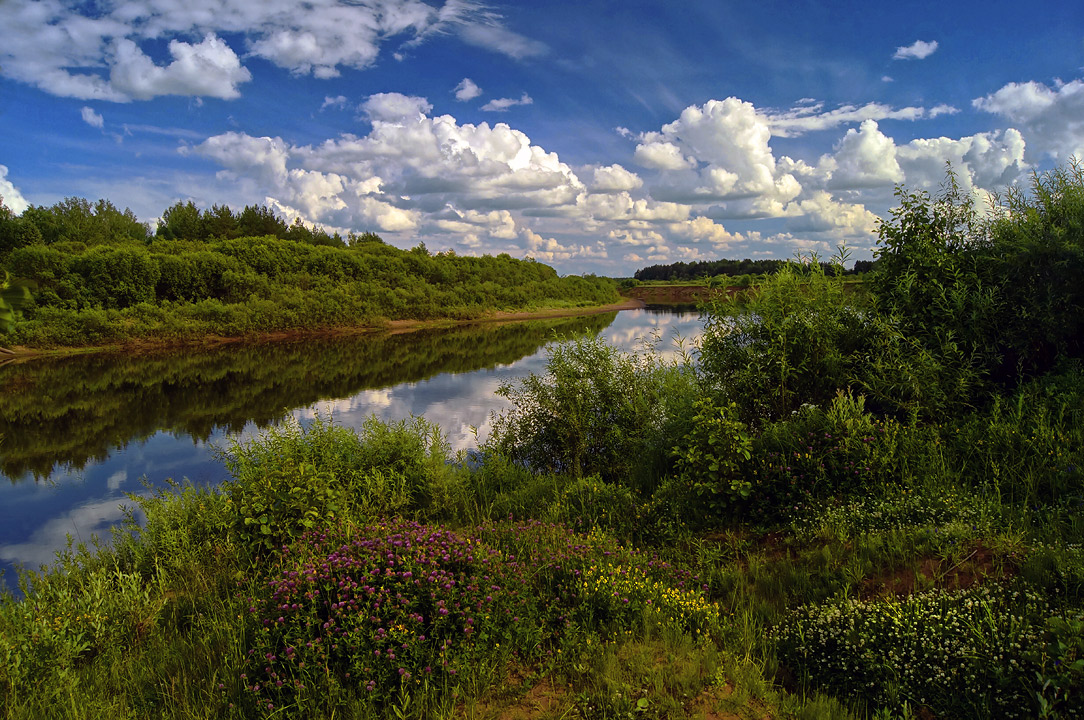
[{"x": 595, "y": 136}]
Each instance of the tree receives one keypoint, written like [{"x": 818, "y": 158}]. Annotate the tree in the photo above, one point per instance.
[
  {"x": 181, "y": 221},
  {"x": 13, "y": 295},
  {"x": 15, "y": 232},
  {"x": 220, "y": 222},
  {"x": 259, "y": 220}
]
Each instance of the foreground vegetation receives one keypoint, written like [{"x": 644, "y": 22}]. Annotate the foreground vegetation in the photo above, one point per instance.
[
  {"x": 96, "y": 277},
  {"x": 861, "y": 506}
]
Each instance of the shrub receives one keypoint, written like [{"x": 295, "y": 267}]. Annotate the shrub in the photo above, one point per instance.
[
  {"x": 975, "y": 653},
  {"x": 398, "y": 612},
  {"x": 796, "y": 338},
  {"x": 711, "y": 477},
  {"x": 820, "y": 452},
  {"x": 292, "y": 479},
  {"x": 596, "y": 411}
]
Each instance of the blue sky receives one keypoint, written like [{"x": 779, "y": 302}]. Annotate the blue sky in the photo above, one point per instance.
[{"x": 594, "y": 136}]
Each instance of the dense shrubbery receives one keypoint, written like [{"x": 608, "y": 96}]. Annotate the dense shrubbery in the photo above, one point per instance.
[{"x": 97, "y": 280}]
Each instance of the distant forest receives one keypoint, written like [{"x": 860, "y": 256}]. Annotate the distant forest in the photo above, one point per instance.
[
  {"x": 96, "y": 275},
  {"x": 733, "y": 268}
]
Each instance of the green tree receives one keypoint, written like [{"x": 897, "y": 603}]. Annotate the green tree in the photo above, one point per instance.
[
  {"x": 220, "y": 222},
  {"x": 182, "y": 221},
  {"x": 13, "y": 296},
  {"x": 15, "y": 232},
  {"x": 258, "y": 220}
]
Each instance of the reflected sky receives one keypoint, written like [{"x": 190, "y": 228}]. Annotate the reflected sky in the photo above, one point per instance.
[{"x": 37, "y": 517}]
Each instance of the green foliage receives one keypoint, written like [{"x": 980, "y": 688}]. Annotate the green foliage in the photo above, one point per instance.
[
  {"x": 15, "y": 232},
  {"x": 1035, "y": 258},
  {"x": 711, "y": 466},
  {"x": 77, "y": 220},
  {"x": 596, "y": 411},
  {"x": 293, "y": 479},
  {"x": 116, "y": 277},
  {"x": 797, "y": 338},
  {"x": 820, "y": 452},
  {"x": 186, "y": 289},
  {"x": 13, "y": 295},
  {"x": 934, "y": 650}
]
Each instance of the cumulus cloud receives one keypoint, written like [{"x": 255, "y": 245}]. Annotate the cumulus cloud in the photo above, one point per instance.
[
  {"x": 10, "y": 194},
  {"x": 716, "y": 151},
  {"x": 92, "y": 118},
  {"x": 614, "y": 178},
  {"x": 502, "y": 104},
  {"x": 864, "y": 158},
  {"x": 393, "y": 107},
  {"x": 99, "y": 50},
  {"x": 918, "y": 50},
  {"x": 1051, "y": 118},
  {"x": 706, "y": 176},
  {"x": 209, "y": 68},
  {"x": 466, "y": 90},
  {"x": 410, "y": 167}
]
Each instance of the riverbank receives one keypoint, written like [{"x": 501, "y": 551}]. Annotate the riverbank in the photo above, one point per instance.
[{"x": 135, "y": 346}]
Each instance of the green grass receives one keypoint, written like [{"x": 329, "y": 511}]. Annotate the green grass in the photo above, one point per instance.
[{"x": 605, "y": 610}]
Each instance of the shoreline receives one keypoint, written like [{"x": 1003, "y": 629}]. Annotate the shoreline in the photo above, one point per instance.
[{"x": 392, "y": 327}]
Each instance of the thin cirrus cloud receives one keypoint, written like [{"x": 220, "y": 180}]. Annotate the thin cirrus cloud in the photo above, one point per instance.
[{"x": 918, "y": 50}]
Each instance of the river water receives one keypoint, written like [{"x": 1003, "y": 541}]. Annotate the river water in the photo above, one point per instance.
[{"x": 78, "y": 434}]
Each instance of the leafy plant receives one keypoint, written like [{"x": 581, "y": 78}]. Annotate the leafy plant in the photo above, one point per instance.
[{"x": 710, "y": 466}]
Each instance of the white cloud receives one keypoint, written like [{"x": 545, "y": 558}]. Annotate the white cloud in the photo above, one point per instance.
[
  {"x": 10, "y": 194},
  {"x": 662, "y": 155},
  {"x": 393, "y": 107},
  {"x": 716, "y": 151},
  {"x": 466, "y": 90},
  {"x": 701, "y": 229},
  {"x": 210, "y": 68},
  {"x": 614, "y": 178},
  {"x": 806, "y": 118},
  {"x": 820, "y": 212},
  {"x": 98, "y": 50},
  {"x": 985, "y": 161},
  {"x": 1051, "y": 119},
  {"x": 918, "y": 50},
  {"x": 338, "y": 102},
  {"x": 502, "y": 104},
  {"x": 864, "y": 158},
  {"x": 92, "y": 118},
  {"x": 483, "y": 187}
]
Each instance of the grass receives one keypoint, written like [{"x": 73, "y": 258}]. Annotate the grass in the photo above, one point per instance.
[{"x": 372, "y": 573}]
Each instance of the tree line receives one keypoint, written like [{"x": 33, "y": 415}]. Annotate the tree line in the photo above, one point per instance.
[
  {"x": 99, "y": 275},
  {"x": 732, "y": 268}
]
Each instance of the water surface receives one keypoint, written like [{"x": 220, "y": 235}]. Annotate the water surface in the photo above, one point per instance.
[{"x": 77, "y": 434}]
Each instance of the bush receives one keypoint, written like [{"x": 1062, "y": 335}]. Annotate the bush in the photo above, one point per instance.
[
  {"x": 291, "y": 479},
  {"x": 796, "y": 338},
  {"x": 976, "y": 653},
  {"x": 597, "y": 411},
  {"x": 711, "y": 477}
]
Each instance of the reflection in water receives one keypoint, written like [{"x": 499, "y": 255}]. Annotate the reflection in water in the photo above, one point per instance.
[
  {"x": 78, "y": 433},
  {"x": 71, "y": 410}
]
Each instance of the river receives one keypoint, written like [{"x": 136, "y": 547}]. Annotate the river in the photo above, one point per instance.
[{"x": 79, "y": 433}]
